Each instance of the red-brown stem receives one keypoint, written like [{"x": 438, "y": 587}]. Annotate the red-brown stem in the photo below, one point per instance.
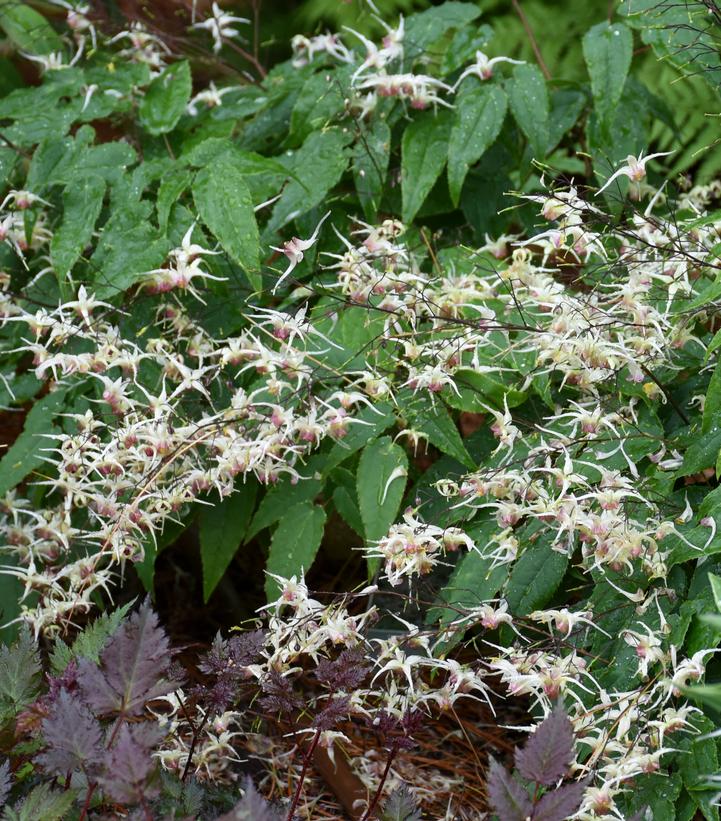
[
  {"x": 86, "y": 805},
  {"x": 196, "y": 735},
  {"x": 379, "y": 791},
  {"x": 306, "y": 762}
]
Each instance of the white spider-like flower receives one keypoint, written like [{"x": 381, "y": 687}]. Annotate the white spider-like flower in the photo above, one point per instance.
[
  {"x": 220, "y": 25},
  {"x": 635, "y": 168},
  {"x": 483, "y": 67}
]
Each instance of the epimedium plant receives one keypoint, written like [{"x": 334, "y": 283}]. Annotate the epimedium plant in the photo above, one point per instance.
[{"x": 181, "y": 356}]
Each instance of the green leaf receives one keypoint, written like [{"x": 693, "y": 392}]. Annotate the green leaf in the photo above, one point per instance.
[
  {"x": 166, "y": 98},
  {"x": 427, "y": 26},
  {"x": 172, "y": 185},
  {"x": 371, "y": 154},
  {"x": 702, "y": 453},
  {"x": 317, "y": 165},
  {"x": 129, "y": 247},
  {"x": 376, "y": 420},
  {"x": 715, "y": 582},
  {"x": 534, "y": 578},
  {"x": 28, "y": 450},
  {"x": 477, "y": 121},
  {"x": 607, "y": 49},
  {"x": 322, "y": 97},
  {"x": 90, "y": 640},
  {"x": 295, "y": 543},
  {"x": 712, "y": 405},
  {"x": 347, "y": 507},
  {"x": 423, "y": 155},
  {"x": 701, "y": 758},
  {"x": 42, "y": 803},
  {"x": 528, "y": 97},
  {"x": 434, "y": 420},
  {"x": 222, "y": 528},
  {"x": 279, "y": 498},
  {"x": 473, "y": 580},
  {"x": 380, "y": 483},
  {"x": 19, "y": 675},
  {"x": 82, "y": 203},
  {"x": 225, "y": 206},
  {"x": 28, "y": 29}
]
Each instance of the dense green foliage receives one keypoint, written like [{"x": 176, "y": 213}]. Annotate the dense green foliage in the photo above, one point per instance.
[{"x": 435, "y": 290}]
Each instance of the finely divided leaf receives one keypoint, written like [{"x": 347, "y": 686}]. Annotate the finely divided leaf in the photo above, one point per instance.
[
  {"x": 19, "y": 675},
  {"x": 252, "y": 807},
  {"x": 89, "y": 642},
  {"x": 401, "y": 806},
  {"x": 130, "y": 765},
  {"x": 73, "y": 737},
  {"x": 506, "y": 796},
  {"x": 560, "y": 804},
  {"x": 5, "y": 781},
  {"x": 423, "y": 155},
  {"x": 477, "y": 121},
  {"x": 548, "y": 753},
  {"x": 132, "y": 668}
]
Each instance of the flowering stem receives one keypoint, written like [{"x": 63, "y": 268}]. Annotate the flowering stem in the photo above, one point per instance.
[
  {"x": 194, "y": 741},
  {"x": 306, "y": 762},
  {"x": 378, "y": 792}
]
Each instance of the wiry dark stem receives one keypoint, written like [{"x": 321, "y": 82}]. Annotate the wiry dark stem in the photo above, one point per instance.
[{"x": 306, "y": 762}]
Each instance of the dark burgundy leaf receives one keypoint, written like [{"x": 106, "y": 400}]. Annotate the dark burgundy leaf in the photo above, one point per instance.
[
  {"x": 133, "y": 667},
  {"x": 560, "y": 804},
  {"x": 5, "y": 781},
  {"x": 507, "y": 797},
  {"x": 252, "y": 807},
  {"x": 130, "y": 769},
  {"x": 73, "y": 737},
  {"x": 549, "y": 751}
]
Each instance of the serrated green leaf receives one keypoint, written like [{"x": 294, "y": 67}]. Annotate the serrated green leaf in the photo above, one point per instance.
[
  {"x": 535, "y": 578},
  {"x": 28, "y": 29},
  {"x": 528, "y": 99},
  {"x": 434, "y": 420},
  {"x": 380, "y": 483},
  {"x": 19, "y": 675},
  {"x": 423, "y": 154},
  {"x": 321, "y": 99},
  {"x": 427, "y": 26},
  {"x": 295, "y": 543},
  {"x": 225, "y": 206},
  {"x": 375, "y": 420},
  {"x": 477, "y": 119},
  {"x": 172, "y": 185},
  {"x": 347, "y": 507},
  {"x": 371, "y": 154},
  {"x": 607, "y": 49},
  {"x": 42, "y": 803},
  {"x": 89, "y": 642},
  {"x": 280, "y": 497},
  {"x": 27, "y": 452},
  {"x": 317, "y": 165},
  {"x": 221, "y": 529},
  {"x": 166, "y": 98},
  {"x": 128, "y": 248},
  {"x": 82, "y": 203}
]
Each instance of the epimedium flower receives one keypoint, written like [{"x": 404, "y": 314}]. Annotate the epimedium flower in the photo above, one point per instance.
[
  {"x": 483, "y": 67},
  {"x": 635, "y": 168},
  {"x": 220, "y": 25}
]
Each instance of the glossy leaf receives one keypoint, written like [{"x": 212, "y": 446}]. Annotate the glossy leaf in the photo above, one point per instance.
[
  {"x": 528, "y": 99},
  {"x": 371, "y": 154},
  {"x": 27, "y": 29},
  {"x": 225, "y": 206},
  {"x": 607, "y": 49},
  {"x": 423, "y": 155},
  {"x": 477, "y": 120},
  {"x": 82, "y": 202},
  {"x": 380, "y": 483},
  {"x": 166, "y": 98},
  {"x": 221, "y": 529},
  {"x": 295, "y": 543},
  {"x": 535, "y": 577},
  {"x": 27, "y": 453}
]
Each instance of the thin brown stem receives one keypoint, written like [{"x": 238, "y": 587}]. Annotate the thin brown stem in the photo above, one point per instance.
[
  {"x": 88, "y": 798},
  {"x": 306, "y": 762},
  {"x": 532, "y": 38},
  {"x": 379, "y": 791}
]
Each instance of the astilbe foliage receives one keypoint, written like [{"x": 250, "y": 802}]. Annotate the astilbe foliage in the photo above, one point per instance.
[{"x": 543, "y": 761}]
